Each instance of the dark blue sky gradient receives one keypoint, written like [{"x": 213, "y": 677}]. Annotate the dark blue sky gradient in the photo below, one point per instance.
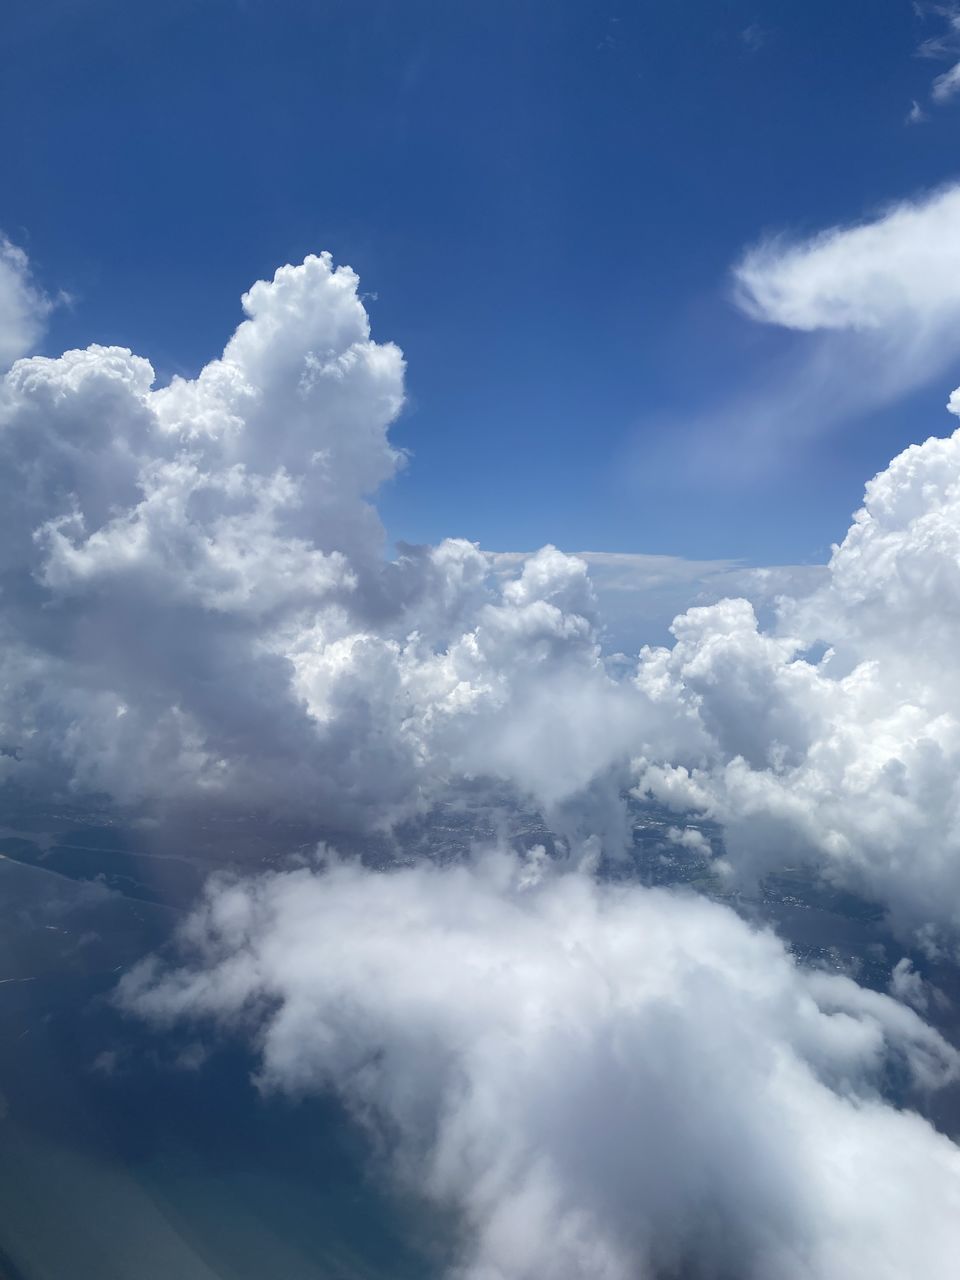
[{"x": 544, "y": 197}]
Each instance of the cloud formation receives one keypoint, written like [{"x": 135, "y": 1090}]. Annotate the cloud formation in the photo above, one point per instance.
[
  {"x": 197, "y": 606},
  {"x": 895, "y": 271},
  {"x": 947, "y": 85},
  {"x": 600, "y": 1080},
  {"x": 879, "y": 300},
  {"x": 197, "y": 609},
  {"x": 945, "y": 46},
  {"x": 868, "y": 312},
  {"x": 640, "y": 595},
  {"x": 157, "y": 544},
  {"x": 851, "y": 757},
  {"x": 23, "y": 306}
]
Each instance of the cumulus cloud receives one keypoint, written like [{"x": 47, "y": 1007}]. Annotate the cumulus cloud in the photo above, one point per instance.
[
  {"x": 158, "y": 544},
  {"x": 197, "y": 608},
  {"x": 197, "y": 605},
  {"x": 23, "y": 306},
  {"x": 851, "y": 756},
  {"x": 600, "y": 1080},
  {"x": 907, "y": 985},
  {"x": 639, "y": 595}
]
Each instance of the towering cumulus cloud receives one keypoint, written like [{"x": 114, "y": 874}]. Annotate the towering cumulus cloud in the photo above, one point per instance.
[
  {"x": 157, "y": 545},
  {"x": 196, "y": 602}
]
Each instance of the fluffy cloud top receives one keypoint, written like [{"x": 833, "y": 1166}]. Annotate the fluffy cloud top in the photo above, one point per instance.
[
  {"x": 898, "y": 270},
  {"x": 853, "y": 758},
  {"x": 196, "y": 606},
  {"x": 609, "y": 1082},
  {"x": 157, "y": 545},
  {"x": 943, "y": 47}
]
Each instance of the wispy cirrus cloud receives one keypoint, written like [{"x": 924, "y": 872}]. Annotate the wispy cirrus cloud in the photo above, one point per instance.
[
  {"x": 944, "y": 46},
  {"x": 947, "y": 85},
  {"x": 874, "y": 307}
]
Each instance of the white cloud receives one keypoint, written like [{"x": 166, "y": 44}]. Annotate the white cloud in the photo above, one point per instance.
[
  {"x": 159, "y": 545},
  {"x": 854, "y": 757},
  {"x": 943, "y": 46},
  {"x": 947, "y": 85},
  {"x": 689, "y": 838},
  {"x": 602, "y": 1081},
  {"x": 890, "y": 275},
  {"x": 874, "y": 312},
  {"x": 197, "y": 604},
  {"x": 23, "y": 306},
  {"x": 638, "y": 595},
  {"x": 907, "y": 985},
  {"x": 197, "y": 608}
]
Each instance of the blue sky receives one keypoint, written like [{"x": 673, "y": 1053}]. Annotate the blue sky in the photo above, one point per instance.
[{"x": 544, "y": 201}]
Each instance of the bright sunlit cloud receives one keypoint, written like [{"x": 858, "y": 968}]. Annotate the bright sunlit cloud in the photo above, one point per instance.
[
  {"x": 198, "y": 610},
  {"x": 602, "y": 1081},
  {"x": 598, "y": 910},
  {"x": 875, "y": 307}
]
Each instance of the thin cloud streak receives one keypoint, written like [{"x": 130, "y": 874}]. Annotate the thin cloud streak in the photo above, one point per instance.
[{"x": 875, "y": 307}]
